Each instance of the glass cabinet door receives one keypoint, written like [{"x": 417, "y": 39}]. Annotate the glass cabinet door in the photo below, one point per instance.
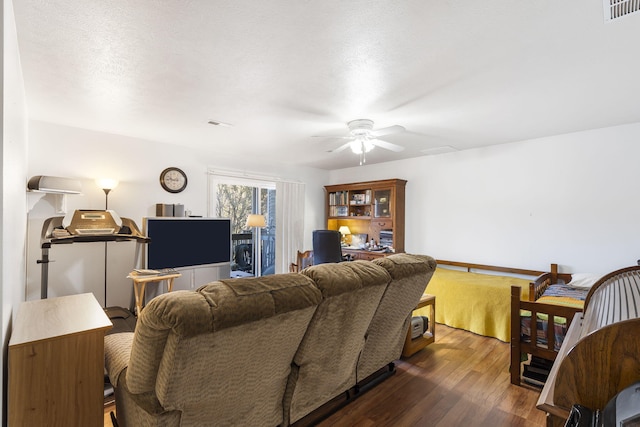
[{"x": 382, "y": 203}]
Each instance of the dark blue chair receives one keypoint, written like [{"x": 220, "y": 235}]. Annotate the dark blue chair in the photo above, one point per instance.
[{"x": 327, "y": 246}]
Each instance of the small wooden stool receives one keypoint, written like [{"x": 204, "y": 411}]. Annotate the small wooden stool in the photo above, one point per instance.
[
  {"x": 140, "y": 283},
  {"x": 412, "y": 346}
]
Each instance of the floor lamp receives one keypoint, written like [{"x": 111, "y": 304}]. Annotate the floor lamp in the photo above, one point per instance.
[
  {"x": 107, "y": 184},
  {"x": 256, "y": 221}
]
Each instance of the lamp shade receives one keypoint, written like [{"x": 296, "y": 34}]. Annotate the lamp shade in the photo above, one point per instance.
[
  {"x": 255, "y": 220},
  {"x": 344, "y": 230},
  {"x": 107, "y": 183}
]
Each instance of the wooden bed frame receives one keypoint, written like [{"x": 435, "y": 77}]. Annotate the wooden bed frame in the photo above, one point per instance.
[
  {"x": 510, "y": 270},
  {"x": 536, "y": 289}
]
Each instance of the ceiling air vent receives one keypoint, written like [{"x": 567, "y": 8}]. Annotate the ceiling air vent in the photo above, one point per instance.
[
  {"x": 439, "y": 150},
  {"x": 615, "y": 9}
]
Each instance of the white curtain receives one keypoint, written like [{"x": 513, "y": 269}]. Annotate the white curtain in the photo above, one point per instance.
[{"x": 289, "y": 223}]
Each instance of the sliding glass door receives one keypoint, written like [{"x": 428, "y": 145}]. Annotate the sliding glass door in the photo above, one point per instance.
[{"x": 253, "y": 247}]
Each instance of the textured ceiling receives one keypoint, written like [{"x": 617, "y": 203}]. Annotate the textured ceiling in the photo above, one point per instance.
[{"x": 461, "y": 73}]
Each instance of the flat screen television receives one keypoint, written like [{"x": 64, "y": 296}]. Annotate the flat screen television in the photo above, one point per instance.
[{"x": 186, "y": 242}]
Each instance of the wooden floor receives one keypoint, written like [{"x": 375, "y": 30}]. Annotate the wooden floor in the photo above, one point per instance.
[{"x": 461, "y": 379}]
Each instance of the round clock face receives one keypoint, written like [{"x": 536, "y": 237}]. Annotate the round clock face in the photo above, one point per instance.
[{"x": 173, "y": 180}]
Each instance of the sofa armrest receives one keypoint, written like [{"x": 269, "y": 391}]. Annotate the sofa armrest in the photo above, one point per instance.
[{"x": 117, "y": 350}]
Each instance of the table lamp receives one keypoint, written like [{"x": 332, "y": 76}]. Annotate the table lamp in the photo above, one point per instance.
[{"x": 344, "y": 230}]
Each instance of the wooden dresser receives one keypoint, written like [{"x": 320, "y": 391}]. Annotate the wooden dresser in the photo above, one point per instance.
[
  {"x": 600, "y": 355},
  {"x": 56, "y": 363}
]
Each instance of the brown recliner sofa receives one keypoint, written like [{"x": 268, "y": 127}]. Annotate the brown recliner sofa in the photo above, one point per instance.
[{"x": 265, "y": 351}]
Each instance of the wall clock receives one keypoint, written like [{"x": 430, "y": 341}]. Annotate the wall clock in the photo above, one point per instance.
[{"x": 173, "y": 180}]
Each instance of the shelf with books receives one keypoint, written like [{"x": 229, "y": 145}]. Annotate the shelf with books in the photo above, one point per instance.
[
  {"x": 338, "y": 211},
  {"x": 339, "y": 198}
]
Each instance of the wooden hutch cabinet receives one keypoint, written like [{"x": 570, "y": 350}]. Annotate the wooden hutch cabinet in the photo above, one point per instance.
[{"x": 371, "y": 210}]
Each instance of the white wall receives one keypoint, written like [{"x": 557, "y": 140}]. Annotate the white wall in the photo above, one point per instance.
[
  {"x": 76, "y": 153},
  {"x": 570, "y": 199},
  {"x": 13, "y": 178}
]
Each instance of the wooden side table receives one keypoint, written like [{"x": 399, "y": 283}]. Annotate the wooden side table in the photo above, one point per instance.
[
  {"x": 140, "y": 283},
  {"x": 56, "y": 362},
  {"x": 411, "y": 346}
]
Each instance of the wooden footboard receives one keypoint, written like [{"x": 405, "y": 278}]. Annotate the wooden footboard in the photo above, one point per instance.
[{"x": 533, "y": 347}]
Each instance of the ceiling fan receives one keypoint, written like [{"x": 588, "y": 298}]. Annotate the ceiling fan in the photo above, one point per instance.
[{"x": 364, "y": 138}]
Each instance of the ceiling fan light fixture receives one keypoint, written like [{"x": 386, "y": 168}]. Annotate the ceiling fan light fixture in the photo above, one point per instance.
[
  {"x": 368, "y": 145},
  {"x": 361, "y": 145},
  {"x": 356, "y": 146},
  {"x": 364, "y": 138},
  {"x": 360, "y": 133},
  {"x": 360, "y": 126}
]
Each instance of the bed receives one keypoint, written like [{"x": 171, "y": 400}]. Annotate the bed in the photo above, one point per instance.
[
  {"x": 553, "y": 300},
  {"x": 476, "y": 297}
]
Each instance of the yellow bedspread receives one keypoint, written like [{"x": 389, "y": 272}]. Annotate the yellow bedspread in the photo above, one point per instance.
[{"x": 480, "y": 303}]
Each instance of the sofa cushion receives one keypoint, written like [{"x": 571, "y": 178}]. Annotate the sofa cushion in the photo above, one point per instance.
[
  {"x": 117, "y": 349},
  {"x": 404, "y": 265},
  {"x": 335, "y": 279}
]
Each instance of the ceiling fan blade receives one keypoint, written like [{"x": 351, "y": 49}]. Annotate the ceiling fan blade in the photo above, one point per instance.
[
  {"x": 386, "y": 145},
  {"x": 331, "y": 136},
  {"x": 388, "y": 130},
  {"x": 340, "y": 148}
]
